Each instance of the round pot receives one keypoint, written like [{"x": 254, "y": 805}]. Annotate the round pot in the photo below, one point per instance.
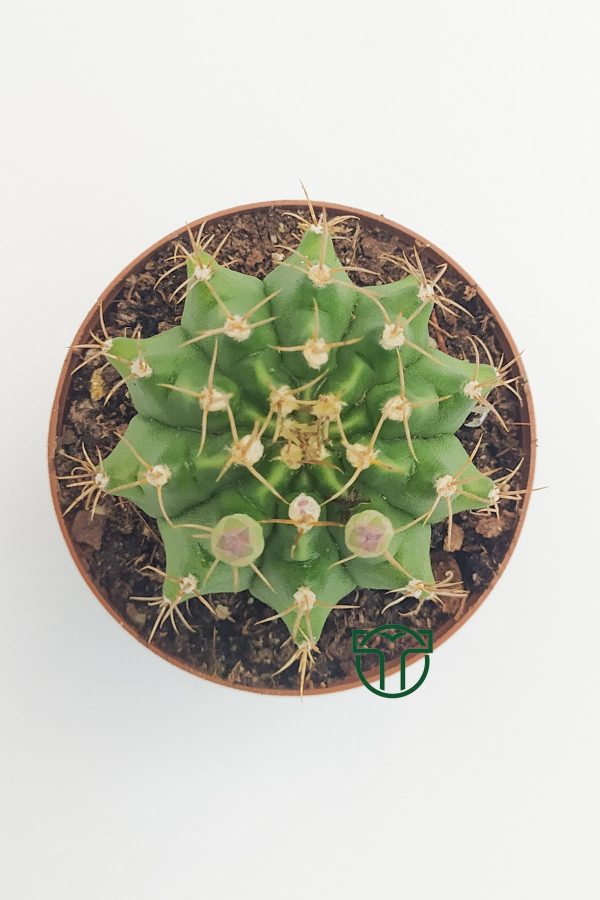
[{"x": 374, "y": 228}]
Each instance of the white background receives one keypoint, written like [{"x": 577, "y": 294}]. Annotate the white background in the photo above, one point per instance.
[{"x": 474, "y": 124}]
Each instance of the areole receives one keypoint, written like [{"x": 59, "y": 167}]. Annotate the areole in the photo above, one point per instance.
[{"x": 527, "y": 433}]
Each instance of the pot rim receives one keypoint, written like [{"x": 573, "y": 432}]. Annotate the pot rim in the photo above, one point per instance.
[{"x": 107, "y": 297}]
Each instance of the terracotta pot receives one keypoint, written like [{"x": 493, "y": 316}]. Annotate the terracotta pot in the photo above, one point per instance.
[{"x": 527, "y": 432}]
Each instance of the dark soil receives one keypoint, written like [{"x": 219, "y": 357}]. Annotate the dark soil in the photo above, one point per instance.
[{"x": 120, "y": 539}]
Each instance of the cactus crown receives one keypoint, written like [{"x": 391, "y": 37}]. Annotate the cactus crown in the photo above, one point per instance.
[{"x": 296, "y": 436}]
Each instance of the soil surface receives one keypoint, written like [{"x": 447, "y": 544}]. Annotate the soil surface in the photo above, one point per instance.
[{"x": 120, "y": 539}]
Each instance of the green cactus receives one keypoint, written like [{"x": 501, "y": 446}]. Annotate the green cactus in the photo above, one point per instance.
[{"x": 295, "y": 436}]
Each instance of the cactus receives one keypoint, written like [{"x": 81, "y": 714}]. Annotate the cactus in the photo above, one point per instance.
[{"x": 295, "y": 437}]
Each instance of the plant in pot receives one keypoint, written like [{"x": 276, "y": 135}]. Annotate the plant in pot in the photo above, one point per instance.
[{"x": 293, "y": 444}]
